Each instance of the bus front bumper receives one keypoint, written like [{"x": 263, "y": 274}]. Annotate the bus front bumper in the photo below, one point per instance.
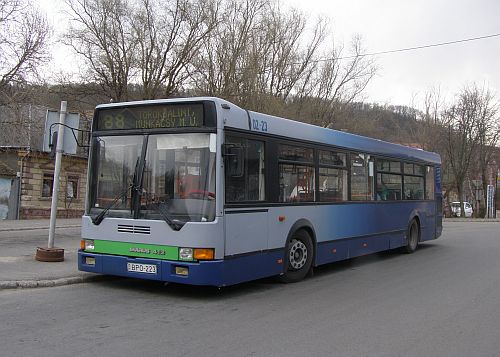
[{"x": 213, "y": 273}]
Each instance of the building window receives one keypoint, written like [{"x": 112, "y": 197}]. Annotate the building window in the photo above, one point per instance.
[
  {"x": 72, "y": 187},
  {"x": 47, "y": 185}
]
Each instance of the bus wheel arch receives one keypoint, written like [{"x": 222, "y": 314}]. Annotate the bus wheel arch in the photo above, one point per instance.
[{"x": 300, "y": 252}]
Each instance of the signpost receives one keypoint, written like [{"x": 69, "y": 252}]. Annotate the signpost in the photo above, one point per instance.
[
  {"x": 51, "y": 253},
  {"x": 490, "y": 204},
  {"x": 52, "y": 125}
]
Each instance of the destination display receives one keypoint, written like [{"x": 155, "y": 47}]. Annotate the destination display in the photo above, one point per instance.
[{"x": 151, "y": 117}]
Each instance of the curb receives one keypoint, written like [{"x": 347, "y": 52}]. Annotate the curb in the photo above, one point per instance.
[
  {"x": 31, "y": 284},
  {"x": 472, "y": 220},
  {"x": 35, "y": 228}
]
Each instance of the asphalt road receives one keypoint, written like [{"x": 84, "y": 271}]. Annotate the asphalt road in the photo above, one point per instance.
[{"x": 444, "y": 300}]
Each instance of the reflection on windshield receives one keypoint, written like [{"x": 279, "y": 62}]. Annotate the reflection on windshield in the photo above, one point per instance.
[
  {"x": 178, "y": 177},
  {"x": 117, "y": 160}
]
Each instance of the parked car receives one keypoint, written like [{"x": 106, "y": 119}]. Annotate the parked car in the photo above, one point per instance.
[{"x": 457, "y": 211}]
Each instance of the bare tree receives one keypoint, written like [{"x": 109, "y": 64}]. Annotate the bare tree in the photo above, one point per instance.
[
  {"x": 340, "y": 79},
  {"x": 259, "y": 55},
  {"x": 285, "y": 58},
  {"x": 430, "y": 127},
  {"x": 24, "y": 35},
  {"x": 101, "y": 33},
  {"x": 489, "y": 133},
  {"x": 146, "y": 45},
  {"x": 462, "y": 135},
  {"x": 223, "y": 66},
  {"x": 169, "y": 34}
]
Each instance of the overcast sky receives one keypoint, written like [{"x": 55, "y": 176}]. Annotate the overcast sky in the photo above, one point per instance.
[{"x": 394, "y": 24}]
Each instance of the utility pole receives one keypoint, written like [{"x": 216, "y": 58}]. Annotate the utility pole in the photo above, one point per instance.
[{"x": 52, "y": 254}]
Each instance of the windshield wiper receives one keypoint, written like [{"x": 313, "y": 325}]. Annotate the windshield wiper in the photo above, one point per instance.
[
  {"x": 98, "y": 219},
  {"x": 175, "y": 224},
  {"x": 134, "y": 187}
]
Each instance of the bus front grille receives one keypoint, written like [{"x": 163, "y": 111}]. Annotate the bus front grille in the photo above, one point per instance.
[{"x": 125, "y": 228}]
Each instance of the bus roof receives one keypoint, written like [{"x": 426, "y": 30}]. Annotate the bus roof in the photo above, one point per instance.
[{"x": 272, "y": 125}]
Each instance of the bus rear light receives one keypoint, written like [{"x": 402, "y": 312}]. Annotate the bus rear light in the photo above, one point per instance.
[{"x": 204, "y": 253}]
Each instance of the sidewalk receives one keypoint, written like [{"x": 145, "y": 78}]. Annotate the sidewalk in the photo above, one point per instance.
[
  {"x": 472, "y": 220},
  {"x": 31, "y": 224},
  {"x": 18, "y": 243}
]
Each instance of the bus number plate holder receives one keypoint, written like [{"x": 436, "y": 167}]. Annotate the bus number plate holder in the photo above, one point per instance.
[{"x": 141, "y": 268}]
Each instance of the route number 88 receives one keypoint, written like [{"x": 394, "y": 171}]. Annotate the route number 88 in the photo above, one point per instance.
[{"x": 114, "y": 122}]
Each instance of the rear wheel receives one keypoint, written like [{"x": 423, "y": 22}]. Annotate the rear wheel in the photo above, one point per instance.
[
  {"x": 412, "y": 236},
  {"x": 298, "y": 258}
]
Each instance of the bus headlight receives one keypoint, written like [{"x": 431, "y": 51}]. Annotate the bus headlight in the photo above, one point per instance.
[
  {"x": 89, "y": 244},
  {"x": 196, "y": 253},
  {"x": 186, "y": 253}
]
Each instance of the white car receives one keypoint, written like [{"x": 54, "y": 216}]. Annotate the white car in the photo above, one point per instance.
[{"x": 457, "y": 211}]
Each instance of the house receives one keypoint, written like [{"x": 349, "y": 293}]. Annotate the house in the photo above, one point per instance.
[
  {"x": 33, "y": 173},
  {"x": 27, "y": 172}
]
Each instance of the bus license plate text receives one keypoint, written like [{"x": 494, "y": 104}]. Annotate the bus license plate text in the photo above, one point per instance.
[{"x": 141, "y": 268}]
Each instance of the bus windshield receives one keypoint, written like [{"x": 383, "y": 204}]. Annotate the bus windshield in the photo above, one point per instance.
[{"x": 178, "y": 180}]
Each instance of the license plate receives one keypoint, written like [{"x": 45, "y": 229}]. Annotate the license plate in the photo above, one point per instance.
[{"x": 141, "y": 268}]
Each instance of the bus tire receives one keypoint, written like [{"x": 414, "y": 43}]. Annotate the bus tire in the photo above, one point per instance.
[
  {"x": 412, "y": 237},
  {"x": 298, "y": 260}
]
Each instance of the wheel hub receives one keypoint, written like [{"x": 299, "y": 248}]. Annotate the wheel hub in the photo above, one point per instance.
[{"x": 298, "y": 254}]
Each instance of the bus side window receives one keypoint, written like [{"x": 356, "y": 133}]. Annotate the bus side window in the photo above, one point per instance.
[
  {"x": 296, "y": 173},
  {"x": 389, "y": 180},
  {"x": 250, "y": 185},
  {"x": 361, "y": 177},
  {"x": 429, "y": 183}
]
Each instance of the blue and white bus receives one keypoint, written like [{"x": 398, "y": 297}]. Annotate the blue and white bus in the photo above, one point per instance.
[{"x": 200, "y": 191}]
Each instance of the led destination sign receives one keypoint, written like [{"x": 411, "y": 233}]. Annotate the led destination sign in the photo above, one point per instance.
[{"x": 151, "y": 117}]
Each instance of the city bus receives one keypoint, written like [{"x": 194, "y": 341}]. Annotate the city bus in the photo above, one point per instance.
[{"x": 200, "y": 191}]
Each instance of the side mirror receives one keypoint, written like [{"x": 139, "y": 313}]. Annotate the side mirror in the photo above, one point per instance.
[
  {"x": 100, "y": 149},
  {"x": 234, "y": 160}
]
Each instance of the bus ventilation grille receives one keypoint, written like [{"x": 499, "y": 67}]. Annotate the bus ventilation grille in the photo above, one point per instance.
[{"x": 125, "y": 228}]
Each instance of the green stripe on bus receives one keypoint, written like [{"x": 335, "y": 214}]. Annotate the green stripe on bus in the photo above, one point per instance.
[{"x": 136, "y": 250}]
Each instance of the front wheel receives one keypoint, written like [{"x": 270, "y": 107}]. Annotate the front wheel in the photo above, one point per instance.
[
  {"x": 412, "y": 237},
  {"x": 298, "y": 258}
]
